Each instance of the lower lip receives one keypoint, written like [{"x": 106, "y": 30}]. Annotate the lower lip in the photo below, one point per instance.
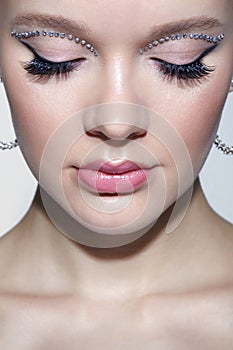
[{"x": 113, "y": 183}]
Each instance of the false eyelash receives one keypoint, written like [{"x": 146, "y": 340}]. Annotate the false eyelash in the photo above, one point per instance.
[
  {"x": 45, "y": 69},
  {"x": 190, "y": 71},
  {"x": 40, "y": 66},
  {"x": 194, "y": 70}
]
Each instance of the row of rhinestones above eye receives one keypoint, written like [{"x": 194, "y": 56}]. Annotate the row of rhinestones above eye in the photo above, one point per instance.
[
  {"x": 196, "y": 36},
  {"x": 37, "y": 33}
]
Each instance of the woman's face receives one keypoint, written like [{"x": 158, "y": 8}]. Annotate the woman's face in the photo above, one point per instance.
[{"x": 118, "y": 73}]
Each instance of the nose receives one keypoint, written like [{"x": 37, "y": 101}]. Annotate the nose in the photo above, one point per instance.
[
  {"x": 114, "y": 131},
  {"x": 121, "y": 115},
  {"x": 116, "y": 121}
]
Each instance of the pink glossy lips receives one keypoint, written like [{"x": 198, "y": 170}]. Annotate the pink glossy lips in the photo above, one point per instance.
[{"x": 113, "y": 178}]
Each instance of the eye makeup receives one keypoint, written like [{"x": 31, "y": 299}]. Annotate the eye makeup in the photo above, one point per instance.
[
  {"x": 191, "y": 71},
  {"x": 51, "y": 34},
  {"x": 42, "y": 69}
]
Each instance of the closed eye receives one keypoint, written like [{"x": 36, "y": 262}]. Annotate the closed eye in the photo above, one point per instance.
[
  {"x": 190, "y": 71},
  {"x": 43, "y": 69}
]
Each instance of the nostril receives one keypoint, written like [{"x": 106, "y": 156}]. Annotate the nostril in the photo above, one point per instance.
[
  {"x": 136, "y": 135},
  {"x": 116, "y": 131},
  {"x": 97, "y": 133}
]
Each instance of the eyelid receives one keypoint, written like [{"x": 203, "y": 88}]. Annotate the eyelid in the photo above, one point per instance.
[
  {"x": 43, "y": 58},
  {"x": 202, "y": 55}
]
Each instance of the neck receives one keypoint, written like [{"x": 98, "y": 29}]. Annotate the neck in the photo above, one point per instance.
[{"x": 148, "y": 264}]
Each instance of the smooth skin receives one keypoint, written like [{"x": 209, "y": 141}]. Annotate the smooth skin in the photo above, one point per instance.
[{"x": 161, "y": 291}]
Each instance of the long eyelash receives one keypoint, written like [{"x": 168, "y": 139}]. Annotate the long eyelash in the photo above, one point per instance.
[
  {"x": 43, "y": 69},
  {"x": 194, "y": 70},
  {"x": 190, "y": 71}
]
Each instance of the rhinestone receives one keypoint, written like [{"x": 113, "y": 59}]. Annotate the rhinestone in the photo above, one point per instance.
[
  {"x": 37, "y": 33},
  {"x": 145, "y": 48},
  {"x": 215, "y": 39},
  {"x": 95, "y": 53},
  {"x": 44, "y": 33},
  {"x": 150, "y": 46},
  {"x": 191, "y": 36},
  {"x": 51, "y": 34},
  {"x": 92, "y": 49},
  {"x": 178, "y": 37},
  {"x": 83, "y": 42},
  {"x": 13, "y": 32},
  {"x": 62, "y": 35},
  {"x": 201, "y": 36},
  {"x": 185, "y": 35},
  {"x": 196, "y": 36},
  {"x": 167, "y": 38},
  {"x": 141, "y": 52},
  {"x": 173, "y": 37},
  {"x": 155, "y": 43},
  {"x": 88, "y": 46},
  {"x": 162, "y": 40},
  {"x": 204, "y": 37},
  {"x": 56, "y": 35},
  {"x": 77, "y": 40},
  {"x": 70, "y": 37}
]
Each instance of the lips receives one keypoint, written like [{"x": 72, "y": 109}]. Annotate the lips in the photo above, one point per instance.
[{"x": 113, "y": 177}]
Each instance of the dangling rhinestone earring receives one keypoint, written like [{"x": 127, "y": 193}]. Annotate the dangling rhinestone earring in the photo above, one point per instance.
[
  {"x": 221, "y": 146},
  {"x": 7, "y": 145}
]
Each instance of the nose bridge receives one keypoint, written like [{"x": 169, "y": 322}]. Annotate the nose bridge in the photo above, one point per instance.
[
  {"x": 119, "y": 115},
  {"x": 117, "y": 80}
]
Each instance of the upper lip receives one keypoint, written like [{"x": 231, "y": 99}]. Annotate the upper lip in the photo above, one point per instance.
[{"x": 113, "y": 167}]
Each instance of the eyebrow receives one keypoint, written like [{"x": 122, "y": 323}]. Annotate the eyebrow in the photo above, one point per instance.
[
  {"x": 60, "y": 23},
  {"x": 189, "y": 25},
  {"x": 47, "y": 21}
]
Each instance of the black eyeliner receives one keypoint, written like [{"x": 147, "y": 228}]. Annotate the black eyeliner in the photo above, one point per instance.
[
  {"x": 35, "y": 53},
  {"x": 202, "y": 55}
]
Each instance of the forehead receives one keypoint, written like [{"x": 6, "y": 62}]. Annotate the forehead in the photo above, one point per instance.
[{"x": 122, "y": 19}]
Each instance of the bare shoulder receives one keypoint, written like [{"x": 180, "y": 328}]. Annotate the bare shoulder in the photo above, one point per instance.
[{"x": 196, "y": 320}]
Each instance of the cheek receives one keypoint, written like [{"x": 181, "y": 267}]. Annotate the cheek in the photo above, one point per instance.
[
  {"x": 195, "y": 114},
  {"x": 37, "y": 113},
  {"x": 199, "y": 121},
  {"x": 33, "y": 125}
]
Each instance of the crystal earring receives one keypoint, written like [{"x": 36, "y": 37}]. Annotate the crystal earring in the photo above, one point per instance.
[
  {"x": 221, "y": 146},
  {"x": 7, "y": 145}
]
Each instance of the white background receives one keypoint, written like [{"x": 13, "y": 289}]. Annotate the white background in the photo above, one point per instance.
[{"x": 17, "y": 185}]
